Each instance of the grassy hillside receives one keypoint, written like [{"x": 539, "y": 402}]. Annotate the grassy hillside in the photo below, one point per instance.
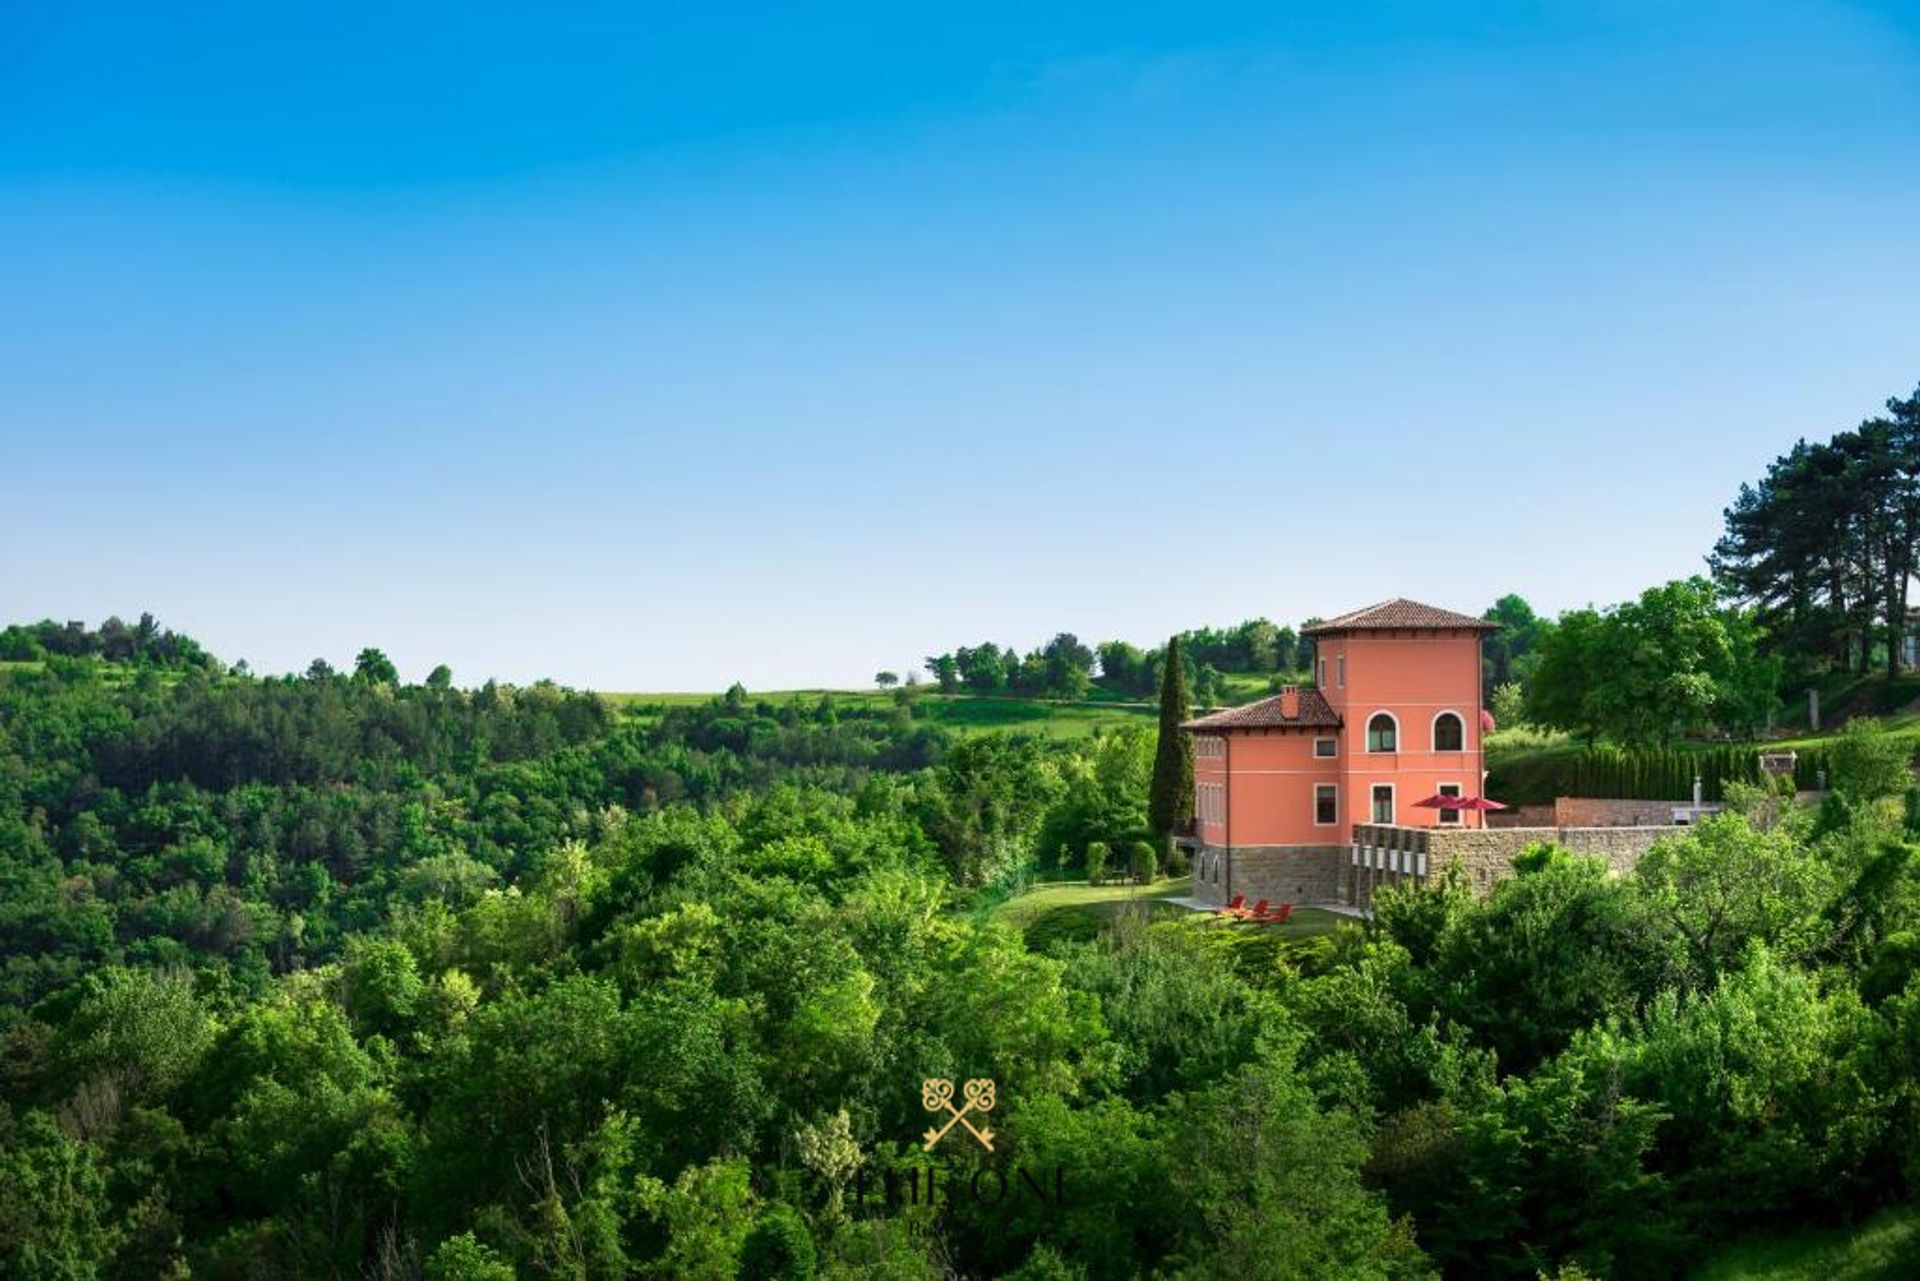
[
  {"x": 959, "y": 712},
  {"x": 1882, "y": 1249}
]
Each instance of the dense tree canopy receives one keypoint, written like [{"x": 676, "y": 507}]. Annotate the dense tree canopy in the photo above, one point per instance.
[
  {"x": 339, "y": 976},
  {"x": 1678, "y": 661}
]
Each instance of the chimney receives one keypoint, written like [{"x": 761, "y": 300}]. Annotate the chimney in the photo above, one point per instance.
[{"x": 1290, "y": 702}]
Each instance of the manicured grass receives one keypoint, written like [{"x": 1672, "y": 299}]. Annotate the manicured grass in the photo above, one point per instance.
[
  {"x": 1023, "y": 910},
  {"x": 1883, "y": 1248},
  {"x": 1077, "y": 910},
  {"x": 962, "y": 713}
]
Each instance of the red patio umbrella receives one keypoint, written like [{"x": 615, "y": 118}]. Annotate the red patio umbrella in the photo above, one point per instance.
[
  {"x": 1479, "y": 803},
  {"x": 1438, "y": 803}
]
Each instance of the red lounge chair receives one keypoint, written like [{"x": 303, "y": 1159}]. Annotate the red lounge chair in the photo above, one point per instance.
[
  {"x": 1233, "y": 908},
  {"x": 1259, "y": 910},
  {"x": 1275, "y": 917}
]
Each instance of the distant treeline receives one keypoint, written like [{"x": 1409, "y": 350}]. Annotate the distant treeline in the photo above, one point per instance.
[
  {"x": 142, "y": 642},
  {"x": 1067, "y": 668}
]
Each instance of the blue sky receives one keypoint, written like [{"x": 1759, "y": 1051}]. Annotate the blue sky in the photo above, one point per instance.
[{"x": 655, "y": 346}]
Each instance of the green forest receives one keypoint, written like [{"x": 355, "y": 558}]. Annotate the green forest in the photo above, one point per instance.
[{"x": 330, "y": 975}]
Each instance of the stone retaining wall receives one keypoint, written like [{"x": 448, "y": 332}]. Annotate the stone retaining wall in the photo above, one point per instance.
[
  {"x": 1391, "y": 856},
  {"x": 1595, "y": 811}
]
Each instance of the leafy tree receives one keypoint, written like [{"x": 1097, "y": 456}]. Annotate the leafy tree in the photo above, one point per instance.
[
  {"x": 1275, "y": 1183},
  {"x": 1720, "y": 884},
  {"x": 1509, "y": 705},
  {"x": 886, "y": 680},
  {"x": 375, "y": 668},
  {"x": 1510, "y": 651},
  {"x": 1675, "y": 661},
  {"x": 1170, "y": 800}
]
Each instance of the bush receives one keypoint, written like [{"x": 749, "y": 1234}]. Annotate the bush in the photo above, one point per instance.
[
  {"x": 778, "y": 1248},
  {"x": 1098, "y": 855},
  {"x": 1146, "y": 864},
  {"x": 1867, "y": 762},
  {"x": 462, "y": 1258},
  {"x": 1176, "y": 860}
]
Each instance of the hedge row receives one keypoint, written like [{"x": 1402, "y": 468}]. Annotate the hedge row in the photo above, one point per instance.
[{"x": 1651, "y": 774}]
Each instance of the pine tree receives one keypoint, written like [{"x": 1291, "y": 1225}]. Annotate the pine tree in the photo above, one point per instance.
[{"x": 1171, "y": 799}]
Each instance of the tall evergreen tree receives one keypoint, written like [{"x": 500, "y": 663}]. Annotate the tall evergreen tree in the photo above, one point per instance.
[{"x": 1171, "y": 798}]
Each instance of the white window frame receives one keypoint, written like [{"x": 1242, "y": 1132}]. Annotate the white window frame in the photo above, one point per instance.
[
  {"x": 1330, "y": 787},
  {"x": 1319, "y": 755},
  {"x": 1433, "y": 731},
  {"x": 1440, "y": 789},
  {"x": 1373, "y": 803},
  {"x": 1367, "y": 726}
]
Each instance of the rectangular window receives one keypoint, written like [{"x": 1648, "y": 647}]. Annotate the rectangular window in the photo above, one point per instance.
[
  {"x": 1340, "y": 671},
  {"x": 1447, "y": 815},
  {"x": 1383, "y": 802},
  {"x": 1326, "y": 805},
  {"x": 1321, "y": 678},
  {"x": 1326, "y": 747}
]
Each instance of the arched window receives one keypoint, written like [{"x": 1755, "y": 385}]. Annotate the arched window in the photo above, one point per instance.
[
  {"x": 1383, "y": 733},
  {"x": 1449, "y": 735}
]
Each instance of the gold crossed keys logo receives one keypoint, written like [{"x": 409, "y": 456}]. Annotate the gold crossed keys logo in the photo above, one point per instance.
[{"x": 937, "y": 1095}]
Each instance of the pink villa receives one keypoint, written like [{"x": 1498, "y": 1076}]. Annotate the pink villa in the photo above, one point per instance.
[{"x": 1282, "y": 786}]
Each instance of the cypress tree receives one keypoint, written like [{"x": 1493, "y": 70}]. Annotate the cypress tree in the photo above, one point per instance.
[{"x": 1171, "y": 798}]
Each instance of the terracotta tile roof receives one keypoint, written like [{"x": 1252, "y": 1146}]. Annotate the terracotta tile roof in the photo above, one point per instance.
[
  {"x": 1399, "y": 614},
  {"x": 1265, "y": 714}
]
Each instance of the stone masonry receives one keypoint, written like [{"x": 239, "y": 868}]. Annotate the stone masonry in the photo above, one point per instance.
[
  {"x": 1277, "y": 873},
  {"x": 1392, "y": 855}
]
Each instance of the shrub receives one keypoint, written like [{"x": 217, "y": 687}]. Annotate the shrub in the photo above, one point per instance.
[
  {"x": 1098, "y": 854},
  {"x": 1146, "y": 865},
  {"x": 778, "y": 1248},
  {"x": 1867, "y": 762}
]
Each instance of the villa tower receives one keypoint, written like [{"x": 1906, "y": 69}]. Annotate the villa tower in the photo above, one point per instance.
[{"x": 1394, "y": 716}]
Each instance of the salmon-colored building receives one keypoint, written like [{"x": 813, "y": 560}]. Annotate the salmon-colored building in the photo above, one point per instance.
[{"x": 1393, "y": 717}]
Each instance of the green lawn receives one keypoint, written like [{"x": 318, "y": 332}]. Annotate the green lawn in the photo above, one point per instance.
[
  {"x": 959, "y": 712},
  {"x": 1078, "y": 911},
  {"x": 1883, "y": 1248},
  {"x": 1023, "y": 910}
]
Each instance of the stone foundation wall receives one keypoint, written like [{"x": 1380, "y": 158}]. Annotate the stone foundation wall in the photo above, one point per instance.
[
  {"x": 1209, "y": 867},
  {"x": 1277, "y": 873},
  {"x": 1288, "y": 873}
]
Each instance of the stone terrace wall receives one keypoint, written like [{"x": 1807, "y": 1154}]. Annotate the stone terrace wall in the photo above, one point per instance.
[
  {"x": 1592, "y": 811},
  {"x": 1523, "y": 816},
  {"x": 1486, "y": 855}
]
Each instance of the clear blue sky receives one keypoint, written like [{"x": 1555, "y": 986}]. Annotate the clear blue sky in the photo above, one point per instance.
[{"x": 650, "y": 346}]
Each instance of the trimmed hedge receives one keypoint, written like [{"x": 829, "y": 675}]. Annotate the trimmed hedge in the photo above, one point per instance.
[{"x": 1649, "y": 774}]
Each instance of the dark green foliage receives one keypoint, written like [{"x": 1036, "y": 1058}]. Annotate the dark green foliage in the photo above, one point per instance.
[
  {"x": 1676, "y": 662},
  {"x": 779, "y": 1248},
  {"x": 1170, "y": 800},
  {"x": 1826, "y": 544}
]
